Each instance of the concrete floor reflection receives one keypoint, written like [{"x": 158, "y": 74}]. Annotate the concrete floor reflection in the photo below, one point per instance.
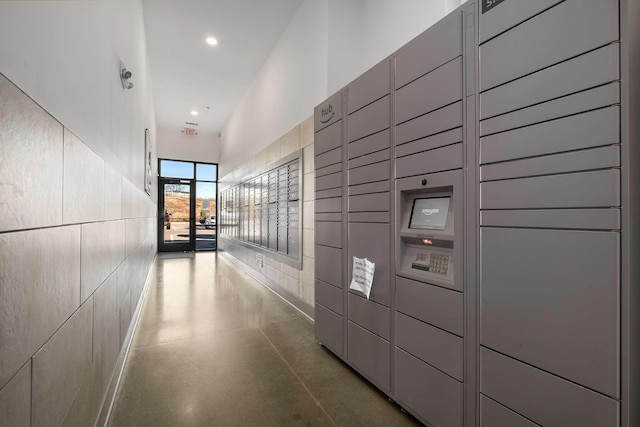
[{"x": 215, "y": 348}]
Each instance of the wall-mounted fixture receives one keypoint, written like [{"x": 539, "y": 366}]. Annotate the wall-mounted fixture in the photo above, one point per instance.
[
  {"x": 189, "y": 131},
  {"x": 125, "y": 75}
]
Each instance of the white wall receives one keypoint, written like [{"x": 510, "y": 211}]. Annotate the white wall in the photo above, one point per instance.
[
  {"x": 173, "y": 144},
  {"x": 327, "y": 45},
  {"x": 65, "y": 55},
  {"x": 389, "y": 25},
  {"x": 345, "y": 58},
  {"x": 453, "y": 4},
  {"x": 291, "y": 82}
]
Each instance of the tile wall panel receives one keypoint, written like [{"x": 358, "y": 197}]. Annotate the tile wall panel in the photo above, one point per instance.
[
  {"x": 308, "y": 268},
  {"x": 306, "y": 134},
  {"x": 309, "y": 187},
  {"x": 290, "y": 142},
  {"x": 84, "y": 410},
  {"x": 132, "y": 235},
  {"x": 125, "y": 316},
  {"x": 46, "y": 336},
  {"x": 138, "y": 281},
  {"x": 116, "y": 240},
  {"x": 291, "y": 271},
  {"x": 15, "y": 399},
  {"x": 308, "y": 215},
  {"x": 308, "y": 248},
  {"x": 39, "y": 289},
  {"x": 307, "y": 158},
  {"x": 127, "y": 197},
  {"x": 110, "y": 349},
  {"x": 274, "y": 151},
  {"x": 60, "y": 366},
  {"x": 83, "y": 199},
  {"x": 123, "y": 280},
  {"x": 307, "y": 293},
  {"x": 274, "y": 274},
  {"x": 112, "y": 193},
  {"x": 290, "y": 283},
  {"x": 260, "y": 159},
  {"x": 31, "y": 158},
  {"x": 95, "y": 256},
  {"x": 105, "y": 310}
]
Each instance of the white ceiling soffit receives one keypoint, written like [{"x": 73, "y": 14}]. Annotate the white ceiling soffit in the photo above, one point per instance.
[{"x": 188, "y": 74}]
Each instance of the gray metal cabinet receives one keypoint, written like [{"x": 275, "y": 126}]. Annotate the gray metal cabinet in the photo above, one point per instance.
[
  {"x": 493, "y": 414},
  {"x": 534, "y": 298},
  {"x": 433, "y": 144},
  {"x": 370, "y": 355},
  {"x": 373, "y": 241},
  {"x": 329, "y": 329},
  {"x": 541, "y": 397},
  {"x": 369, "y": 234},
  {"x": 431, "y": 394},
  {"x": 330, "y": 263},
  {"x": 571, "y": 28},
  {"x": 440, "y": 349},
  {"x": 370, "y": 315},
  {"x": 553, "y": 171},
  {"x": 521, "y": 311},
  {"x": 329, "y": 296},
  {"x": 264, "y": 211}
]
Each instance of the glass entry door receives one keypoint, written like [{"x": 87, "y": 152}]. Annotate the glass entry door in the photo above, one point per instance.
[
  {"x": 206, "y": 228},
  {"x": 176, "y": 221}
]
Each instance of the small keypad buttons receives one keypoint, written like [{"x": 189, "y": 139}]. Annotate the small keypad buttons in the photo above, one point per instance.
[{"x": 439, "y": 264}]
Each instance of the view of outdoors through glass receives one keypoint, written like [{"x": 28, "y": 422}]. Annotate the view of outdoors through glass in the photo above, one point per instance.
[{"x": 179, "y": 221}]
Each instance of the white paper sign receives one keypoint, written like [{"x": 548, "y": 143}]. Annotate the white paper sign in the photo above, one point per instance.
[{"x": 363, "y": 271}]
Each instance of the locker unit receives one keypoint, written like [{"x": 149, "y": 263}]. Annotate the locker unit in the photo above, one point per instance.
[
  {"x": 434, "y": 204},
  {"x": 330, "y": 229},
  {"x": 490, "y": 168},
  {"x": 264, "y": 211},
  {"x": 369, "y": 198},
  {"x": 406, "y": 121},
  {"x": 555, "y": 190}
]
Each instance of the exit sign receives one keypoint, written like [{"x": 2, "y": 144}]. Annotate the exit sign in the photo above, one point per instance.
[{"x": 189, "y": 131}]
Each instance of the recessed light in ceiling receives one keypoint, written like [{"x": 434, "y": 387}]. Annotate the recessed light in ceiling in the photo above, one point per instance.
[
  {"x": 212, "y": 41},
  {"x": 194, "y": 113}
]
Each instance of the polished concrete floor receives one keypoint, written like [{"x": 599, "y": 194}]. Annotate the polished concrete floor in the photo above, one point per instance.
[{"x": 215, "y": 348}]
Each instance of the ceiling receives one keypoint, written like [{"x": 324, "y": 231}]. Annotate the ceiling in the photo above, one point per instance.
[{"x": 188, "y": 74}]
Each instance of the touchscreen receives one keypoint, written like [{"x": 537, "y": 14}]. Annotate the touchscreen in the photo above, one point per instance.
[{"x": 430, "y": 213}]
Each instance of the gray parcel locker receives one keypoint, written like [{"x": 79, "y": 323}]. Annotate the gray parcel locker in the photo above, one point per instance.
[
  {"x": 369, "y": 233},
  {"x": 435, "y": 216},
  {"x": 330, "y": 191},
  {"x": 559, "y": 160},
  {"x": 411, "y": 117},
  {"x": 500, "y": 152},
  {"x": 262, "y": 213}
]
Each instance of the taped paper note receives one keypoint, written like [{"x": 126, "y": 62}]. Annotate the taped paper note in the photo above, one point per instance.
[{"x": 363, "y": 271}]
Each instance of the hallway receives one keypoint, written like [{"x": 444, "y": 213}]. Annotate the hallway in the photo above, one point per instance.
[{"x": 213, "y": 347}]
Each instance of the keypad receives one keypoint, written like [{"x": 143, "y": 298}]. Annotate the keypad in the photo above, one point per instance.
[{"x": 439, "y": 264}]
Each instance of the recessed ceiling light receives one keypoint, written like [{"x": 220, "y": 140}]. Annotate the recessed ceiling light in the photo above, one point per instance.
[
  {"x": 194, "y": 113},
  {"x": 212, "y": 41}
]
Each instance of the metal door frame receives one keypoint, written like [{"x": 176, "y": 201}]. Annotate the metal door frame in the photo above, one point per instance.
[{"x": 189, "y": 245}]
